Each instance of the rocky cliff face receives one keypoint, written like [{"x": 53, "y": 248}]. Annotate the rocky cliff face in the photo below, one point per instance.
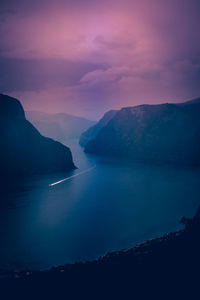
[
  {"x": 92, "y": 132},
  {"x": 23, "y": 149},
  {"x": 165, "y": 132}
]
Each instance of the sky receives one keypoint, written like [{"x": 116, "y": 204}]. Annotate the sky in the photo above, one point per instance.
[{"x": 85, "y": 57}]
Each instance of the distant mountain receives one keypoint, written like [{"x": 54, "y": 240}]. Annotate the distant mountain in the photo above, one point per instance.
[
  {"x": 94, "y": 130},
  {"x": 193, "y": 101},
  {"x": 61, "y": 126},
  {"x": 165, "y": 132},
  {"x": 23, "y": 149}
]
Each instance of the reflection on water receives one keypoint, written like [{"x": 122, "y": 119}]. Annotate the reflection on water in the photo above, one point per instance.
[
  {"x": 109, "y": 208},
  {"x": 72, "y": 176}
]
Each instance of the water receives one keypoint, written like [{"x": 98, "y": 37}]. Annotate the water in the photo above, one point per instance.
[{"x": 112, "y": 206}]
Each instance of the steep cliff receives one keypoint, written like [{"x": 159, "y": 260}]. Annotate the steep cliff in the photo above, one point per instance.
[
  {"x": 23, "y": 149},
  {"x": 92, "y": 132},
  {"x": 165, "y": 132}
]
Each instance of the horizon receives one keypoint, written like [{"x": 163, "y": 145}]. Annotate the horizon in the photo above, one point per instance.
[{"x": 98, "y": 119}]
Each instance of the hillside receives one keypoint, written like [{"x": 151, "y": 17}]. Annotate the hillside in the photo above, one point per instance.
[
  {"x": 162, "y": 268},
  {"x": 94, "y": 130},
  {"x": 23, "y": 149},
  {"x": 162, "y": 133}
]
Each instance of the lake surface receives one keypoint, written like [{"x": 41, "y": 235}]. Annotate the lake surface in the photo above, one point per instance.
[{"x": 109, "y": 206}]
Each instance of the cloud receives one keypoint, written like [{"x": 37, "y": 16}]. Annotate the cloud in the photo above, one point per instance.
[
  {"x": 99, "y": 54},
  {"x": 40, "y": 74},
  {"x": 105, "y": 76}
]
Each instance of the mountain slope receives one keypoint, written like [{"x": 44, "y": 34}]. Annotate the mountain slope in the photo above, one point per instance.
[
  {"x": 61, "y": 126},
  {"x": 165, "y": 132},
  {"x": 161, "y": 268},
  {"x": 23, "y": 149},
  {"x": 94, "y": 130}
]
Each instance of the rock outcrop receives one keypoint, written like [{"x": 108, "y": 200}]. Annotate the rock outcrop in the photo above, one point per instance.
[
  {"x": 162, "y": 133},
  {"x": 23, "y": 149}
]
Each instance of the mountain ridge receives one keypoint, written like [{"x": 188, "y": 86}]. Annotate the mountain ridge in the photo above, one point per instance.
[
  {"x": 94, "y": 130},
  {"x": 60, "y": 126},
  {"x": 163, "y": 132}
]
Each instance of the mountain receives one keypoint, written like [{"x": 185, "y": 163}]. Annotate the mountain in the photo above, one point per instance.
[
  {"x": 23, "y": 149},
  {"x": 94, "y": 130},
  {"x": 162, "y": 268},
  {"x": 193, "y": 101},
  {"x": 61, "y": 126},
  {"x": 162, "y": 133}
]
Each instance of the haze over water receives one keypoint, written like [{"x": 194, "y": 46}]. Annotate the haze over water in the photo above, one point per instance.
[{"x": 110, "y": 207}]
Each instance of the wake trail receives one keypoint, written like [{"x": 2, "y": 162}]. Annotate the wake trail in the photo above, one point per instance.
[{"x": 67, "y": 178}]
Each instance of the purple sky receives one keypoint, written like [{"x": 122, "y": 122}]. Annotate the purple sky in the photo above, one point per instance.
[{"x": 86, "y": 56}]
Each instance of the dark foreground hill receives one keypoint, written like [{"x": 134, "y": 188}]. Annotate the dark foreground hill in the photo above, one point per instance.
[
  {"x": 162, "y": 133},
  {"x": 162, "y": 268},
  {"x": 94, "y": 130},
  {"x": 23, "y": 149},
  {"x": 61, "y": 126}
]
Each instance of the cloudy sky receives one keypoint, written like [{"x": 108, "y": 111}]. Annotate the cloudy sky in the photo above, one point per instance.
[{"x": 87, "y": 56}]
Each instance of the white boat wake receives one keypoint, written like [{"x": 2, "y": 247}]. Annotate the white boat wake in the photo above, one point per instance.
[{"x": 67, "y": 178}]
